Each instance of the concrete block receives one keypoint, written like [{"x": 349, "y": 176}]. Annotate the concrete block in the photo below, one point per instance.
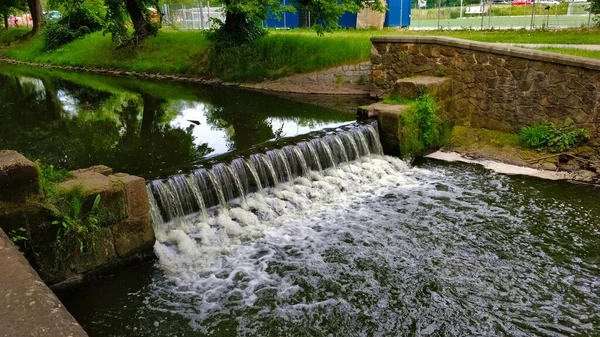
[
  {"x": 19, "y": 177},
  {"x": 133, "y": 235},
  {"x": 413, "y": 87},
  {"x": 136, "y": 197}
]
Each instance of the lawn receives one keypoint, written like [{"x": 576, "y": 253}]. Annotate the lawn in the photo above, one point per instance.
[{"x": 281, "y": 53}]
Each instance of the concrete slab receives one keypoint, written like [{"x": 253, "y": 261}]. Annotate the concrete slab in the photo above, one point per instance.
[{"x": 27, "y": 306}]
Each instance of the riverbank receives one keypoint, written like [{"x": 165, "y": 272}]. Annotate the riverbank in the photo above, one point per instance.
[
  {"x": 489, "y": 148},
  {"x": 280, "y": 54}
]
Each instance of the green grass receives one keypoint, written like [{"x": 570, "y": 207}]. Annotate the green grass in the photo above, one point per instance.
[
  {"x": 12, "y": 34},
  {"x": 281, "y": 53},
  {"x": 169, "y": 52},
  {"x": 595, "y": 54}
]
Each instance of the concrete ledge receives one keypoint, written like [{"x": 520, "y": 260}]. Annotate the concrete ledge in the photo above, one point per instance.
[
  {"x": 27, "y": 306},
  {"x": 530, "y": 54}
]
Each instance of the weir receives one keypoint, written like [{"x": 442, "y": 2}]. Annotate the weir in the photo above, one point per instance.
[{"x": 208, "y": 190}]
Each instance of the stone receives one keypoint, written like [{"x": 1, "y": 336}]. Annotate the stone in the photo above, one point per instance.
[
  {"x": 411, "y": 88},
  {"x": 101, "y": 253},
  {"x": 133, "y": 235},
  {"x": 27, "y": 306},
  {"x": 92, "y": 184},
  {"x": 136, "y": 196},
  {"x": 19, "y": 177}
]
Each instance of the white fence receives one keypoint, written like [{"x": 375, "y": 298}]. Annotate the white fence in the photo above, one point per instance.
[{"x": 193, "y": 15}]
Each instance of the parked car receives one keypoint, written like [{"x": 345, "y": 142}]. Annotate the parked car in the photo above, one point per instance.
[
  {"x": 522, "y": 2},
  {"x": 499, "y": 2},
  {"x": 52, "y": 16}
]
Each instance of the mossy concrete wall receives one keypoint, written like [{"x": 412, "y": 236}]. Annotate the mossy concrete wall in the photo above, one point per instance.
[{"x": 494, "y": 86}]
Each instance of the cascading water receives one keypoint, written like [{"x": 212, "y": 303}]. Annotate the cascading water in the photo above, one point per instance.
[{"x": 182, "y": 196}]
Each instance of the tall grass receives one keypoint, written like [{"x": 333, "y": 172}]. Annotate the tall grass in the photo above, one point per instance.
[
  {"x": 280, "y": 55},
  {"x": 420, "y": 129},
  {"x": 12, "y": 34}
]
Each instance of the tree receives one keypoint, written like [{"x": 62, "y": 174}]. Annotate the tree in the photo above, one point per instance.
[
  {"x": 141, "y": 18},
  {"x": 243, "y": 17},
  {"x": 595, "y": 9},
  {"x": 37, "y": 18}
]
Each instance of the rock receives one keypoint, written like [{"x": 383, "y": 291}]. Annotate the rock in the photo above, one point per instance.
[
  {"x": 19, "y": 177},
  {"x": 136, "y": 196},
  {"x": 585, "y": 152},
  {"x": 90, "y": 184},
  {"x": 133, "y": 235}
]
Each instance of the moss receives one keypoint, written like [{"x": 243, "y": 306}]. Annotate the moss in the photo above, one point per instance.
[{"x": 393, "y": 98}]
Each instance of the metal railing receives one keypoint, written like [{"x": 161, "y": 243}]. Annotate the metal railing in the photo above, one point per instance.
[
  {"x": 192, "y": 15},
  {"x": 501, "y": 14}
]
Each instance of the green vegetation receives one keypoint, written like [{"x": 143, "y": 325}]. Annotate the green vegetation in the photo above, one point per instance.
[
  {"x": 393, "y": 98},
  {"x": 281, "y": 53},
  {"x": 420, "y": 128},
  {"x": 49, "y": 178},
  {"x": 594, "y": 54},
  {"x": 548, "y": 137},
  {"x": 77, "y": 227},
  {"x": 11, "y": 35}
]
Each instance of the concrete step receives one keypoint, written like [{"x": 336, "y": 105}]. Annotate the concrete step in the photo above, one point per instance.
[
  {"x": 413, "y": 87},
  {"x": 387, "y": 115}
]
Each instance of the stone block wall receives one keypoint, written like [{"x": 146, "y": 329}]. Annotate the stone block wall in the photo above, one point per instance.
[
  {"x": 126, "y": 235},
  {"x": 494, "y": 86}
]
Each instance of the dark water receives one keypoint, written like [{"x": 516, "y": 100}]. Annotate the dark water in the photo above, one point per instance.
[
  {"x": 152, "y": 129},
  {"x": 375, "y": 248}
]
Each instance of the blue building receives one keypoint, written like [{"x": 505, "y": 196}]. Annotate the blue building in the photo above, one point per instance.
[{"x": 398, "y": 15}]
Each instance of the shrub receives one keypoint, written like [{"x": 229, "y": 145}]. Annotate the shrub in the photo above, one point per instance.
[
  {"x": 79, "y": 22},
  {"x": 420, "y": 128},
  {"x": 546, "y": 136}
]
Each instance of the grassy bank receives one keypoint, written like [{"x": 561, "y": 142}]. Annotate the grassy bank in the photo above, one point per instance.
[{"x": 281, "y": 53}]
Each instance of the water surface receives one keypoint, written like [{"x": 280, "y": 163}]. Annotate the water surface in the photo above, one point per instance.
[
  {"x": 373, "y": 248},
  {"x": 147, "y": 128}
]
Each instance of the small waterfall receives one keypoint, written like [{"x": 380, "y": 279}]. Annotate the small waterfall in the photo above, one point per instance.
[{"x": 181, "y": 195}]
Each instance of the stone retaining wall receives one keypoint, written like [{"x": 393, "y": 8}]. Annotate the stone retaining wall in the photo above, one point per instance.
[
  {"x": 495, "y": 87},
  {"x": 125, "y": 237}
]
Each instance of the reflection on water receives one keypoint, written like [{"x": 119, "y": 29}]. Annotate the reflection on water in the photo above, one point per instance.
[{"x": 152, "y": 129}]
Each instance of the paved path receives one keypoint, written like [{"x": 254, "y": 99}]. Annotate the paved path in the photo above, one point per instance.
[{"x": 551, "y": 45}]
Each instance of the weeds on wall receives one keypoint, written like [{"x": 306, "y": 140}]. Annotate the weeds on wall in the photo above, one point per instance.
[
  {"x": 547, "y": 137},
  {"x": 77, "y": 227},
  {"x": 420, "y": 128}
]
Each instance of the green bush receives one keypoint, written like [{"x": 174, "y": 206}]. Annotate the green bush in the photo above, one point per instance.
[
  {"x": 420, "y": 128},
  {"x": 79, "y": 22},
  {"x": 546, "y": 136}
]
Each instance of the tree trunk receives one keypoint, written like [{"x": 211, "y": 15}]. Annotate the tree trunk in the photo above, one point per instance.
[
  {"x": 5, "y": 16},
  {"x": 53, "y": 107},
  {"x": 235, "y": 22},
  {"x": 137, "y": 18},
  {"x": 149, "y": 116},
  {"x": 35, "y": 8}
]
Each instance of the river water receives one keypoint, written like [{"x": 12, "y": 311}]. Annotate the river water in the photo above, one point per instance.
[{"x": 372, "y": 248}]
